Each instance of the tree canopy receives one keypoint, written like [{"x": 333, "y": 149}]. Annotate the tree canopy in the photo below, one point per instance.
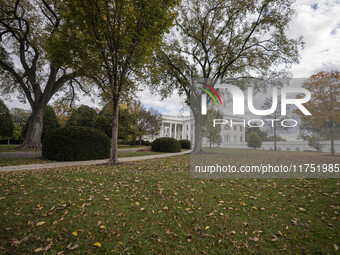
[
  {"x": 118, "y": 38},
  {"x": 83, "y": 116},
  {"x": 224, "y": 40},
  {"x": 32, "y": 64},
  {"x": 325, "y": 102}
]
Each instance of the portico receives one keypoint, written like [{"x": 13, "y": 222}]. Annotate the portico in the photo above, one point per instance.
[{"x": 175, "y": 126}]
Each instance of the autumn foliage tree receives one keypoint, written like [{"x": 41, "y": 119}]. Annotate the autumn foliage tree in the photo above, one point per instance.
[
  {"x": 224, "y": 39},
  {"x": 325, "y": 102},
  {"x": 119, "y": 37},
  {"x": 32, "y": 64}
]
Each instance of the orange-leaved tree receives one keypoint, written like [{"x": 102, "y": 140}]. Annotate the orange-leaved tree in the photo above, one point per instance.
[{"x": 325, "y": 102}]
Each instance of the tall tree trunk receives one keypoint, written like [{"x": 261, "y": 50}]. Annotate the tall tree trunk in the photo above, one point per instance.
[
  {"x": 332, "y": 140},
  {"x": 275, "y": 135},
  {"x": 35, "y": 127},
  {"x": 114, "y": 141},
  {"x": 198, "y": 131}
]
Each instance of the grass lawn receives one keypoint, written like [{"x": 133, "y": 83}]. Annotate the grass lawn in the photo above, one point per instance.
[
  {"x": 12, "y": 148},
  {"x": 123, "y": 146},
  {"x": 137, "y": 154},
  {"x": 154, "y": 207},
  {"x": 22, "y": 161},
  {"x": 28, "y": 161}
]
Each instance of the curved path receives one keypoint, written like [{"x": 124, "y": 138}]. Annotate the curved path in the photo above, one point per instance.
[{"x": 86, "y": 163}]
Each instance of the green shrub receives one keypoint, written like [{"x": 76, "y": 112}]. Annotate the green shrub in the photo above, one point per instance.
[
  {"x": 185, "y": 144},
  {"x": 75, "y": 143},
  {"x": 166, "y": 144},
  {"x": 6, "y": 122},
  {"x": 146, "y": 143},
  {"x": 254, "y": 140}
]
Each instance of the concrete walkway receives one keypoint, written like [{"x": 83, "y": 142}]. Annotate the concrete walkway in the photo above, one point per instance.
[
  {"x": 37, "y": 154},
  {"x": 86, "y": 163}
]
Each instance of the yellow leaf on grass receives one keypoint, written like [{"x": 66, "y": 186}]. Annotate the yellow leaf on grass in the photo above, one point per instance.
[
  {"x": 207, "y": 227},
  {"x": 40, "y": 223},
  {"x": 38, "y": 249},
  {"x": 97, "y": 244},
  {"x": 75, "y": 233},
  {"x": 102, "y": 226}
]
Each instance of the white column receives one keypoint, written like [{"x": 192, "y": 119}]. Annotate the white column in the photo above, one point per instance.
[
  {"x": 162, "y": 130},
  {"x": 170, "y": 129},
  {"x": 175, "y": 131}
]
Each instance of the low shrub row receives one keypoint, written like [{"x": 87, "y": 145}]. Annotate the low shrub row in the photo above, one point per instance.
[
  {"x": 167, "y": 144},
  {"x": 84, "y": 143},
  {"x": 76, "y": 143}
]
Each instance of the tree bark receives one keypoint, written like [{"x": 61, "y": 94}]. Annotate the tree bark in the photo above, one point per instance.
[
  {"x": 114, "y": 141},
  {"x": 34, "y": 131},
  {"x": 332, "y": 140},
  {"x": 198, "y": 131},
  {"x": 274, "y": 135}
]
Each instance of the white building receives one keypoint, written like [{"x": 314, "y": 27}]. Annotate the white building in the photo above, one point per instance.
[{"x": 182, "y": 127}]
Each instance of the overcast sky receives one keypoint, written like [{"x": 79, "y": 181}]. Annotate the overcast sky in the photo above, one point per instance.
[{"x": 317, "y": 21}]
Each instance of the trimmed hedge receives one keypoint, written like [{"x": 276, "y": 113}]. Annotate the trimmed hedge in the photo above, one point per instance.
[
  {"x": 76, "y": 143},
  {"x": 185, "y": 144},
  {"x": 166, "y": 144},
  {"x": 146, "y": 143}
]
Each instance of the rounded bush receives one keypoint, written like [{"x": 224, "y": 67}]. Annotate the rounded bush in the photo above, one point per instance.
[
  {"x": 254, "y": 140},
  {"x": 185, "y": 144},
  {"x": 75, "y": 143},
  {"x": 166, "y": 144}
]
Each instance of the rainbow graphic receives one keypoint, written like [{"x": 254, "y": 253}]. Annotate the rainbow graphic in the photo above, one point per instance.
[{"x": 209, "y": 93}]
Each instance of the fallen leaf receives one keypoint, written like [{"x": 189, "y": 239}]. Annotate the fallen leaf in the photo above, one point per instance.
[
  {"x": 97, "y": 244},
  {"x": 38, "y": 249},
  {"x": 75, "y": 233},
  {"x": 74, "y": 247},
  {"x": 245, "y": 224},
  {"x": 255, "y": 239},
  {"x": 274, "y": 238},
  {"x": 335, "y": 247},
  {"x": 40, "y": 223},
  {"x": 47, "y": 247}
]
